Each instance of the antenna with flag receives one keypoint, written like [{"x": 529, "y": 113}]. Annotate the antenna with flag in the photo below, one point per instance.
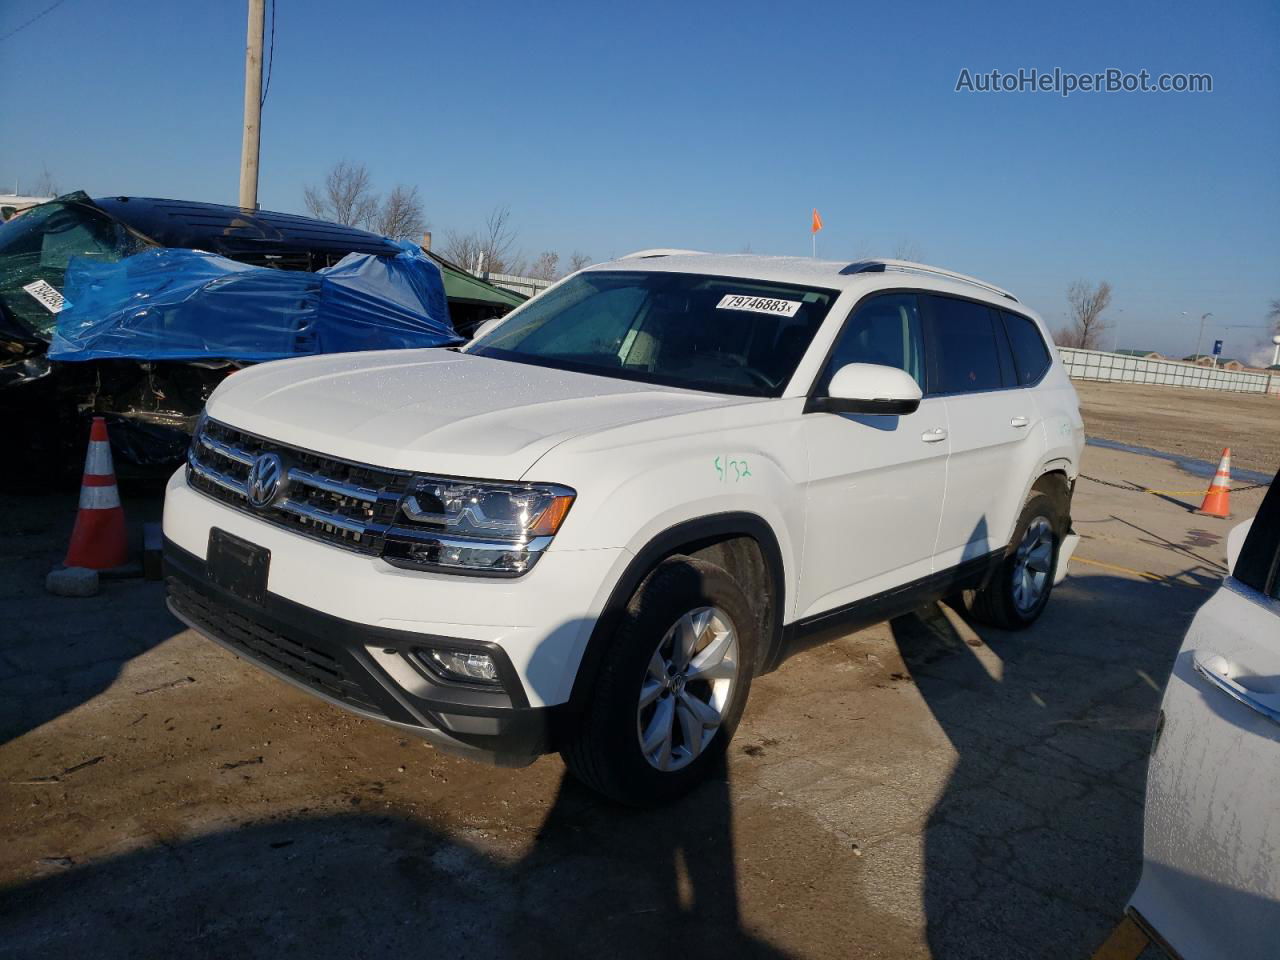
[{"x": 813, "y": 230}]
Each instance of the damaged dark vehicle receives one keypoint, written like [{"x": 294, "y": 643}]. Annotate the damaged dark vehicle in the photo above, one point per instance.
[{"x": 135, "y": 309}]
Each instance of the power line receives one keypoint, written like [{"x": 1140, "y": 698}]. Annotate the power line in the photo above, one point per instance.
[
  {"x": 18, "y": 29},
  {"x": 271, "y": 55}
]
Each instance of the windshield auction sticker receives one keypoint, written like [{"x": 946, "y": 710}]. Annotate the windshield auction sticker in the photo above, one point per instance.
[
  {"x": 779, "y": 308},
  {"x": 49, "y": 297}
]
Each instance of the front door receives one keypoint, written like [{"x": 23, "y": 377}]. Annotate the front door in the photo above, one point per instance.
[{"x": 876, "y": 483}]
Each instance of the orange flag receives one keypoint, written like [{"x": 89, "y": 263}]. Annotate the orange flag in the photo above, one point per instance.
[{"x": 817, "y": 221}]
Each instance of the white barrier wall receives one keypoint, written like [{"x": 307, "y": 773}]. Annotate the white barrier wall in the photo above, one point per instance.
[{"x": 1114, "y": 367}]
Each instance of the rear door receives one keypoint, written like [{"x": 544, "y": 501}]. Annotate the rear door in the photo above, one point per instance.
[
  {"x": 1211, "y": 854},
  {"x": 992, "y": 421}
]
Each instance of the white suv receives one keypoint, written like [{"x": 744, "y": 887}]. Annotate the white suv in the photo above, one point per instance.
[{"x": 590, "y": 528}]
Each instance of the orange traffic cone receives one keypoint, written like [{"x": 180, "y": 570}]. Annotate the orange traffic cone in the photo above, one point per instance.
[
  {"x": 98, "y": 540},
  {"x": 1217, "y": 499}
]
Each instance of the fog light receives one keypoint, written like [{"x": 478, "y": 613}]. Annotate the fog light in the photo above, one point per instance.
[{"x": 462, "y": 665}]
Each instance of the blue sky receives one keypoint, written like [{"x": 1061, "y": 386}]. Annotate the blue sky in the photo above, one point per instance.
[{"x": 713, "y": 126}]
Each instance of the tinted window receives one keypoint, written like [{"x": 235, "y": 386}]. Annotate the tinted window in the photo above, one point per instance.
[
  {"x": 723, "y": 334},
  {"x": 1257, "y": 563},
  {"x": 884, "y": 330},
  {"x": 1030, "y": 355},
  {"x": 963, "y": 346}
]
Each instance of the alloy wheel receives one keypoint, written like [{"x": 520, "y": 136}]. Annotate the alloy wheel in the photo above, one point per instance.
[
  {"x": 687, "y": 687},
  {"x": 1032, "y": 565}
]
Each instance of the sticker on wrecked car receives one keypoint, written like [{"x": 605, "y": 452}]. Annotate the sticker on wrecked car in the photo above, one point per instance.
[{"x": 47, "y": 295}]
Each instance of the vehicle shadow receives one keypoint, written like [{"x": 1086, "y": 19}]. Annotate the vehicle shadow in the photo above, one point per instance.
[
  {"x": 57, "y": 653},
  {"x": 594, "y": 881},
  {"x": 1035, "y": 844}
]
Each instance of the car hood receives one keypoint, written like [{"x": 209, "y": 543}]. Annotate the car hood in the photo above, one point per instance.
[{"x": 436, "y": 410}]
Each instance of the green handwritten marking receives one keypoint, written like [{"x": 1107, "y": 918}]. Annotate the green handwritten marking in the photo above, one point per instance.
[{"x": 739, "y": 467}]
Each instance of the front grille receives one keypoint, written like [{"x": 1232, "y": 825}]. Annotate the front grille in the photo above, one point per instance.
[
  {"x": 309, "y": 665},
  {"x": 326, "y": 498}
]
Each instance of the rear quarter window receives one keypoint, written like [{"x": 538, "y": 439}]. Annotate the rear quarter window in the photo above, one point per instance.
[{"x": 1031, "y": 358}]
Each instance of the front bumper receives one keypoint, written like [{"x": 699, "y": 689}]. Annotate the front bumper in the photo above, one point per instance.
[{"x": 368, "y": 670}]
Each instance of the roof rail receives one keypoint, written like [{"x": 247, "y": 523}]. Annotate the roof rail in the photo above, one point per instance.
[
  {"x": 656, "y": 252},
  {"x": 879, "y": 265}
]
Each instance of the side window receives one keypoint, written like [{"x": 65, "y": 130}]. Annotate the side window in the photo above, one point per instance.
[
  {"x": 1258, "y": 565},
  {"x": 1030, "y": 356},
  {"x": 963, "y": 346},
  {"x": 884, "y": 330}
]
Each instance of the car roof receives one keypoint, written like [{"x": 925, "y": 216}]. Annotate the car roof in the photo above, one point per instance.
[
  {"x": 859, "y": 275},
  {"x": 254, "y": 236}
]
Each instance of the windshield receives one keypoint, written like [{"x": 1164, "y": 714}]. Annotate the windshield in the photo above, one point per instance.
[
  {"x": 38, "y": 245},
  {"x": 720, "y": 334}
]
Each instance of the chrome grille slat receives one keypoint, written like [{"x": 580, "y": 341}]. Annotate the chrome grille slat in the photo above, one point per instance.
[
  {"x": 322, "y": 516},
  {"x": 218, "y": 477},
  {"x": 333, "y": 486},
  {"x": 226, "y": 450},
  {"x": 348, "y": 504}
]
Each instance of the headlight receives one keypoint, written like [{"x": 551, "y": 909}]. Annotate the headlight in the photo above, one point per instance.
[{"x": 471, "y": 526}]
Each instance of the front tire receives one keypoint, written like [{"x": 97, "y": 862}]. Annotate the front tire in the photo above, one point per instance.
[
  {"x": 671, "y": 687},
  {"x": 1019, "y": 590}
]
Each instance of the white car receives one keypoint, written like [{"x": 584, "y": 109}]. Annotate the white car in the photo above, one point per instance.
[
  {"x": 1210, "y": 885},
  {"x": 589, "y": 529}
]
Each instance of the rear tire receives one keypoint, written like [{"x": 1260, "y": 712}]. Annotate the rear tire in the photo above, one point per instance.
[
  {"x": 1019, "y": 590},
  {"x": 648, "y": 688}
]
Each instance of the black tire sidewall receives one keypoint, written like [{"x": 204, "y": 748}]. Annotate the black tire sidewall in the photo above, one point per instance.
[
  {"x": 1039, "y": 505},
  {"x": 675, "y": 587}
]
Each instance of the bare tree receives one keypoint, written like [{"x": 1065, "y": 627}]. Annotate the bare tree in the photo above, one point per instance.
[
  {"x": 1086, "y": 324},
  {"x": 491, "y": 250},
  {"x": 546, "y": 266},
  {"x": 578, "y": 261},
  {"x": 346, "y": 196},
  {"x": 907, "y": 250},
  {"x": 400, "y": 216},
  {"x": 46, "y": 185}
]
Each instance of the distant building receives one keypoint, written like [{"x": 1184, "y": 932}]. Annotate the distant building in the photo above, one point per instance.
[
  {"x": 1207, "y": 360},
  {"x": 1142, "y": 354}
]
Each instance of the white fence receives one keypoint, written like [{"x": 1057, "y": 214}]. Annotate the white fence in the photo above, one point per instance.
[
  {"x": 1117, "y": 368},
  {"x": 528, "y": 286}
]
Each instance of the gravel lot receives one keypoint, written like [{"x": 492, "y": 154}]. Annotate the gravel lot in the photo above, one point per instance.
[
  {"x": 921, "y": 788},
  {"x": 1196, "y": 423}
]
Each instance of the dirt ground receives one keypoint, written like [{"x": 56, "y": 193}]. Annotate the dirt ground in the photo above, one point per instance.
[
  {"x": 1195, "y": 423},
  {"x": 923, "y": 788}
]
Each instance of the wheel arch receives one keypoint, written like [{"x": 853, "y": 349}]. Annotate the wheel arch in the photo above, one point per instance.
[
  {"x": 1055, "y": 483},
  {"x": 742, "y": 542}
]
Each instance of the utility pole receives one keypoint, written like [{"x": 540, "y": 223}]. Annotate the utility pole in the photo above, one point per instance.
[
  {"x": 1200, "y": 339},
  {"x": 252, "y": 106}
]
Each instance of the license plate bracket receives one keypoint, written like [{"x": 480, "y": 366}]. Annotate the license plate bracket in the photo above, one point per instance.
[{"x": 238, "y": 566}]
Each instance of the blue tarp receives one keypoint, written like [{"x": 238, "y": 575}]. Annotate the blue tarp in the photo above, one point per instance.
[{"x": 175, "y": 304}]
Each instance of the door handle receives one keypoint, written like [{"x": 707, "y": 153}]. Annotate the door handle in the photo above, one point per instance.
[
  {"x": 1019, "y": 422},
  {"x": 1214, "y": 668},
  {"x": 934, "y": 436}
]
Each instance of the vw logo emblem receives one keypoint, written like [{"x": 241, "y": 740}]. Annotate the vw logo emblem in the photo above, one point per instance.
[{"x": 266, "y": 478}]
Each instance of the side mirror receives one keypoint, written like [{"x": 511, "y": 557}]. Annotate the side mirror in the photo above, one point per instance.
[
  {"x": 869, "y": 388},
  {"x": 485, "y": 327}
]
